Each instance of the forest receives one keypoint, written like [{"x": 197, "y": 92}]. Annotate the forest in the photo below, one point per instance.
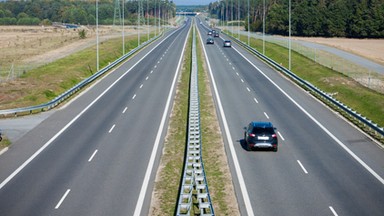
[
  {"x": 44, "y": 12},
  {"x": 320, "y": 18}
]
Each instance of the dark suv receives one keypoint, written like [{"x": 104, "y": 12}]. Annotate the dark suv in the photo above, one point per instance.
[{"x": 260, "y": 135}]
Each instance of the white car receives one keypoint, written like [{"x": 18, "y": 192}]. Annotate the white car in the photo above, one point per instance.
[{"x": 227, "y": 43}]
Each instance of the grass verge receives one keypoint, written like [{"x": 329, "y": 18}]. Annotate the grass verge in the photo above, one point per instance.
[{"x": 44, "y": 83}]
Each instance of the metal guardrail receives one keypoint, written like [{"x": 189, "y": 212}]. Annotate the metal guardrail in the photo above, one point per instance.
[
  {"x": 53, "y": 103},
  {"x": 194, "y": 182},
  {"x": 313, "y": 88}
]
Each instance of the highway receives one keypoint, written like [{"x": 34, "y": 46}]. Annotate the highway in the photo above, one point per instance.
[
  {"x": 324, "y": 166},
  {"x": 98, "y": 154}
]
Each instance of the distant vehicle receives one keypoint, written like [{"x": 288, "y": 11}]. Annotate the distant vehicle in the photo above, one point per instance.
[
  {"x": 210, "y": 40},
  {"x": 210, "y": 32},
  {"x": 260, "y": 135},
  {"x": 216, "y": 34},
  {"x": 227, "y": 43}
]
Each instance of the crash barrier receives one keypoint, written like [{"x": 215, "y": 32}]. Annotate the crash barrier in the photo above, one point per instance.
[{"x": 194, "y": 183}]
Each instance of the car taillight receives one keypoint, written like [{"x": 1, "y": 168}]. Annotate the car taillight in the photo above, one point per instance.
[
  {"x": 274, "y": 135},
  {"x": 252, "y": 135}
]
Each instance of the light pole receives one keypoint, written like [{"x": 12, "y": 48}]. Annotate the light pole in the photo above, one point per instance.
[
  {"x": 264, "y": 27},
  {"x": 289, "y": 37},
  {"x": 97, "y": 35},
  {"x": 123, "y": 29},
  {"x": 248, "y": 22}
]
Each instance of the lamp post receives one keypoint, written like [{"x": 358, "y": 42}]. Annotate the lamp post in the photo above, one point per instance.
[
  {"x": 289, "y": 37},
  {"x": 123, "y": 29},
  {"x": 264, "y": 27},
  {"x": 97, "y": 35},
  {"x": 248, "y": 22}
]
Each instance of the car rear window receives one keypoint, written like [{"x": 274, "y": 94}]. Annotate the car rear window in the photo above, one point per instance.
[{"x": 262, "y": 130}]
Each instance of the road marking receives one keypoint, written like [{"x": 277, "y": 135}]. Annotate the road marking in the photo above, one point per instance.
[
  {"x": 233, "y": 68},
  {"x": 110, "y": 130},
  {"x": 146, "y": 78},
  {"x": 281, "y": 135},
  {"x": 242, "y": 80},
  {"x": 151, "y": 71},
  {"x": 349, "y": 151},
  {"x": 248, "y": 89},
  {"x": 255, "y": 100},
  {"x": 266, "y": 115},
  {"x": 93, "y": 155},
  {"x": 125, "y": 109},
  {"x": 62, "y": 199},
  {"x": 239, "y": 175},
  {"x": 133, "y": 96},
  {"x": 155, "y": 66},
  {"x": 237, "y": 74},
  {"x": 333, "y": 211},
  {"x": 144, "y": 187},
  {"x": 302, "y": 167},
  {"x": 49, "y": 142},
  {"x": 141, "y": 86},
  {"x": 230, "y": 63}
]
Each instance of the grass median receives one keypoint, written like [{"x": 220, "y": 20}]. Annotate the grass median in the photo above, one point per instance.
[{"x": 165, "y": 194}]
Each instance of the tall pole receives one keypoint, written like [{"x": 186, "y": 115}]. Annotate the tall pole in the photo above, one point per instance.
[
  {"x": 264, "y": 28},
  {"x": 97, "y": 35},
  {"x": 138, "y": 23},
  {"x": 248, "y": 22},
  {"x": 148, "y": 19},
  {"x": 123, "y": 28},
  {"x": 238, "y": 19},
  {"x": 289, "y": 38}
]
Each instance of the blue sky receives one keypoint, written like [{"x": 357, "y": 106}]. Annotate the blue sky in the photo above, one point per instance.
[{"x": 192, "y": 2}]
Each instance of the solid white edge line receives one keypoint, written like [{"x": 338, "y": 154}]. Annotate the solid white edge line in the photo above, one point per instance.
[
  {"x": 148, "y": 172},
  {"x": 93, "y": 155},
  {"x": 368, "y": 168},
  {"x": 302, "y": 167},
  {"x": 22, "y": 166},
  {"x": 333, "y": 211},
  {"x": 243, "y": 188},
  {"x": 62, "y": 199}
]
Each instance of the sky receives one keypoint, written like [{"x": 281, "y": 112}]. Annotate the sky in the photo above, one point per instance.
[{"x": 193, "y": 2}]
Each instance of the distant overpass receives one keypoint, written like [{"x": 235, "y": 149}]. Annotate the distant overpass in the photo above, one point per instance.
[{"x": 186, "y": 13}]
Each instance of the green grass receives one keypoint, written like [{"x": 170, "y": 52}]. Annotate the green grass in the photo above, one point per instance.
[
  {"x": 44, "y": 83},
  {"x": 365, "y": 101}
]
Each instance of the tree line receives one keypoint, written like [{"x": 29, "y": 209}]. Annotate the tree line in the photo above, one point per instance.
[
  {"x": 324, "y": 18},
  {"x": 44, "y": 12}
]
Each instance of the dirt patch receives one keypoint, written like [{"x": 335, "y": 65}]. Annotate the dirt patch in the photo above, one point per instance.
[{"x": 368, "y": 48}]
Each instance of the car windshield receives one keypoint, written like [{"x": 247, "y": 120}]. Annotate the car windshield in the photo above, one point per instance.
[{"x": 262, "y": 130}]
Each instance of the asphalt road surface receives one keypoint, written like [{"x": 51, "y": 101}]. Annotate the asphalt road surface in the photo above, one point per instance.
[
  {"x": 98, "y": 154},
  {"x": 324, "y": 166}
]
